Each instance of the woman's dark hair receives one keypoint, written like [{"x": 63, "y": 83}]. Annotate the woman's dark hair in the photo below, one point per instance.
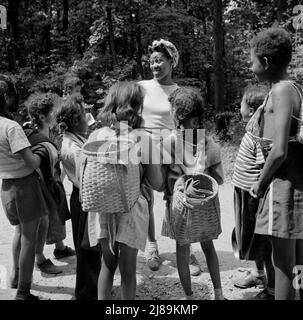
[
  {"x": 274, "y": 44},
  {"x": 254, "y": 95},
  {"x": 124, "y": 102},
  {"x": 187, "y": 103},
  {"x": 69, "y": 113},
  {"x": 41, "y": 104}
]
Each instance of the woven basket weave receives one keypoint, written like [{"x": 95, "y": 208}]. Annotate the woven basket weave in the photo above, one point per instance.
[
  {"x": 203, "y": 221},
  {"x": 108, "y": 185}
]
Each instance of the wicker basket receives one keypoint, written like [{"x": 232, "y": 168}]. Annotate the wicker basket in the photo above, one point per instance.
[
  {"x": 109, "y": 182},
  {"x": 203, "y": 221}
]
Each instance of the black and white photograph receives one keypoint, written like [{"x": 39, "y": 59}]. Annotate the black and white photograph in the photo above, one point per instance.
[{"x": 151, "y": 150}]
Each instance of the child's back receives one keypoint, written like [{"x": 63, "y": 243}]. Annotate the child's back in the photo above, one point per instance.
[{"x": 12, "y": 140}]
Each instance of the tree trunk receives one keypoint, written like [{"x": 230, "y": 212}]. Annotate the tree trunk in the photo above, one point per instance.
[
  {"x": 13, "y": 21},
  {"x": 219, "y": 64},
  {"x": 65, "y": 16},
  {"x": 132, "y": 37},
  {"x": 111, "y": 35},
  {"x": 281, "y": 6},
  {"x": 46, "y": 30},
  {"x": 139, "y": 44}
]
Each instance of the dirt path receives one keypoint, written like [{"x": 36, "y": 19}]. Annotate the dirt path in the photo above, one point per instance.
[{"x": 163, "y": 284}]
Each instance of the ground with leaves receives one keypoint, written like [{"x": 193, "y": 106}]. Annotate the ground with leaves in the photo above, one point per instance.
[{"x": 161, "y": 285}]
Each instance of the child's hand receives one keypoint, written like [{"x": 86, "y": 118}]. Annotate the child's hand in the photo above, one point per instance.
[
  {"x": 187, "y": 203},
  {"x": 255, "y": 190}
]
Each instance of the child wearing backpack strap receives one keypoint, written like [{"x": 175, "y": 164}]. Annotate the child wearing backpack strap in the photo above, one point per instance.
[
  {"x": 249, "y": 161},
  {"x": 41, "y": 108},
  {"x": 21, "y": 192},
  {"x": 128, "y": 231},
  {"x": 281, "y": 180},
  {"x": 71, "y": 119}
]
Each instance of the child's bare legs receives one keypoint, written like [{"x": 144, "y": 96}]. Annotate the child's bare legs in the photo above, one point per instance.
[
  {"x": 43, "y": 264},
  {"x": 153, "y": 258},
  {"x": 41, "y": 238},
  {"x": 213, "y": 267},
  {"x": 16, "y": 253},
  {"x": 284, "y": 259},
  {"x": 259, "y": 265},
  {"x": 183, "y": 253},
  {"x": 127, "y": 266},
  {"x": 299, "y": 261},
  {"x": 109, "y": 264},
  {"x": 270, "y": 273},
  {"x": 27, "y": 257}
]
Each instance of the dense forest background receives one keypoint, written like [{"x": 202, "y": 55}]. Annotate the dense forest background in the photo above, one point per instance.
[{"x": 105, "y": 41}]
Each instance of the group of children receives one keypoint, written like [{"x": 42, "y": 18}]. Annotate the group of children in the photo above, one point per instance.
[{"x": 268, "y": 181}]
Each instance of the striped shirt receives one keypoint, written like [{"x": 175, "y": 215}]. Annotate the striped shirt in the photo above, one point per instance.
[
  {"x": 249, "y": 162},
  {"x": 12, "y": 140}
]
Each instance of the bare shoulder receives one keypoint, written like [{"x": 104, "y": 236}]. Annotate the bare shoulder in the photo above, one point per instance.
[
  {"x": 285, "y": 91},
  {"x": 281, "y": 88}
]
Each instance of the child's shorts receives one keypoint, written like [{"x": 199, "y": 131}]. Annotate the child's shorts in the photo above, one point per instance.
[
  {"x": 23, "y": 199},
  {"x": 247, "y": 245},
  {"x": 131, "y": 228}
]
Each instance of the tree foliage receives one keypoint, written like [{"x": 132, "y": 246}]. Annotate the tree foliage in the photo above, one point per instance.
[{"x": 103, "y": 41}]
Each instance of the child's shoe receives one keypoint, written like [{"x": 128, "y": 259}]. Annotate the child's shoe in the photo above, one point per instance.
[
  {"x": 251, "y": 280},
  {"x": 265, "y": 295},
  {"x": 48, "y": 267},
  {"x": 28, "y": 296},
  {"x": 67, "y": 252}
]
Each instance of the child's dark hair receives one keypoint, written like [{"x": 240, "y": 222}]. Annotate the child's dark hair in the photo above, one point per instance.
[
  {"x": 8, "y": 87},
  {"x": 274, "y": 44},
  {"x": 41, "y": 104},
  {"x": 70, "y": 84},
  {"x": 187, "y": 103},
  {"x": 124, "y": 102},
  {"x": 254, "y": 95},
  {"x": 69, "y": 113}
]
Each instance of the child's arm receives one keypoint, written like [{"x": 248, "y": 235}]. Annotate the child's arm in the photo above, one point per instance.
[
  {"x": 216, "y": 171},
  {"x": 283, "y": 109},
  {"x": 31, "y": 159},
  {"x": 213, "y": 163},
  {"x": 19, "y": 144}
]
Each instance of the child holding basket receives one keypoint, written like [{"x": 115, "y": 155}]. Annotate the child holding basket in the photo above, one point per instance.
[{"x": 200, "y": 158}]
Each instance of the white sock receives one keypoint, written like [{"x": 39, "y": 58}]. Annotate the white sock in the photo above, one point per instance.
[{"x": 219, "y": 294}]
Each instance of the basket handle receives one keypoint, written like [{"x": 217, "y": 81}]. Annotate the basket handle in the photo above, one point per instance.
[
  {"x": 120, "y": 189},
  {"x": 82, "y": 169}
]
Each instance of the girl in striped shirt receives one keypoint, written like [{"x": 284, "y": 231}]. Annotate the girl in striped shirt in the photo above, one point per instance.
[{"x": 249, "y": 162}]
